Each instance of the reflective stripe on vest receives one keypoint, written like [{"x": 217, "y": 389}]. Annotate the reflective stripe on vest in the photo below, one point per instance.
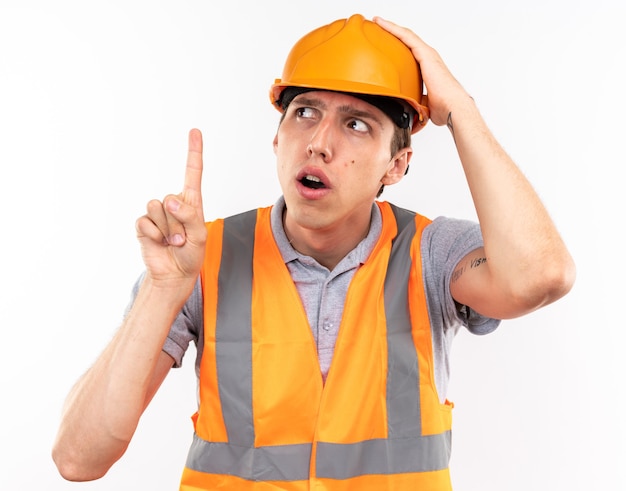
[{"x": 406, "y": 450}]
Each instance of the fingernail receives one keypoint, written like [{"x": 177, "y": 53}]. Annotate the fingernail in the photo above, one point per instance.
[
  {"x": 176, "y": 240},
  {"x": 173, "y": 205}
]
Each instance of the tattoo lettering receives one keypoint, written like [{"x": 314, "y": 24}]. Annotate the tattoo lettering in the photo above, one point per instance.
[
  {"x": 457, "y": 274},
  {"x": 474, "y": 263},
  {"x": 477, "y": 262}
]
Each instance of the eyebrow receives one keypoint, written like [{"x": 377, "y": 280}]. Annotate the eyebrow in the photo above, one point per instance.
[
  {"x": 309, "y": 101},
  {"x": 358, "y": 113},
  {"x": 303, "y": 100}
]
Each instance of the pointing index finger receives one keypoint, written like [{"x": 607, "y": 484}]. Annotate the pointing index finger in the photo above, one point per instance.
[{"x": 192, "y": 189}]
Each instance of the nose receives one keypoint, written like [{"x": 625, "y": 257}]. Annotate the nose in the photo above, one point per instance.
[{"x": 321, "y": 141}]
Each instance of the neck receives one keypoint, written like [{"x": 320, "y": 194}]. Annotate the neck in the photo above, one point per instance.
[{"x": 328, "y": 246}]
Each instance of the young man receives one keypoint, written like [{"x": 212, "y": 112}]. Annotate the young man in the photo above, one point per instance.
[{"x": 323, "y": 322}]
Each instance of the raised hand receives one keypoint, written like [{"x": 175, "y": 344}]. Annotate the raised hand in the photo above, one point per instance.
[
  {"x": 524, "y": 263},
  {"x": 172, "y": 234},
  {"x": 443, "y": 90}
]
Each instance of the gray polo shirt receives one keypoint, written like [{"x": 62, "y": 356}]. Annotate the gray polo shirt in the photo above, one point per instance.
[{"x": 444, "y": 243}]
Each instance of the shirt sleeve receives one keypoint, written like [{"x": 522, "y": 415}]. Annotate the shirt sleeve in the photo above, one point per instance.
[
  {"x": 444, "y": 243},
  {"x": 186, "y": 327}
]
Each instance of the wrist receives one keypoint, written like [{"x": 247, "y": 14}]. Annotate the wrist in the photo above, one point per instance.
[
  {"x": 166, "y": 293},
  {"x": 463, "y": 104},
  {"x": 464, "y": 117}
]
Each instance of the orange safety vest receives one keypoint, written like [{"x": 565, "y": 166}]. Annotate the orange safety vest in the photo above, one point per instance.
[{"x": 266, "y": 421}]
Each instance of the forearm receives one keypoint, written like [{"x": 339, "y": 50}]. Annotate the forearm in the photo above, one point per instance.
[
  {"x": 525, "y": 254},
  {"x": 103, "y": 409}
]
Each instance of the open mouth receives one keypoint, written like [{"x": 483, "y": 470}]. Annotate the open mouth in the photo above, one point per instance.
[{"x": 312, "y": 182}]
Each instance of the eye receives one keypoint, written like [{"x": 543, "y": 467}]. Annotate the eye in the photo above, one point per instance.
[
  {"x": 358, "y": 125},
  {"x": 304, "y": 112}
]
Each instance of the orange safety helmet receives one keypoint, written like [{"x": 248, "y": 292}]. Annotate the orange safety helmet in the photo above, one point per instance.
[{"x": 357, "y": 56}]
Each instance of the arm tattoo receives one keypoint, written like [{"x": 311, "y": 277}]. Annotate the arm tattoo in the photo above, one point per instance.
[
  {"x": 450, "y": 125},
  {"x": 474, "y": 263},
  {"x": 457, "y": 273},
  {"x": 477, "y": 262}
]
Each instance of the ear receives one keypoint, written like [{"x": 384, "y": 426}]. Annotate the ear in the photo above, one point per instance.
[
  {"x": 398, "y": 166},
  {"x": 275, "y": 143}
]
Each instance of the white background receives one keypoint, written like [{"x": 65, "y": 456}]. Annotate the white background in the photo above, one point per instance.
[{"x": 96, "y": 99}]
